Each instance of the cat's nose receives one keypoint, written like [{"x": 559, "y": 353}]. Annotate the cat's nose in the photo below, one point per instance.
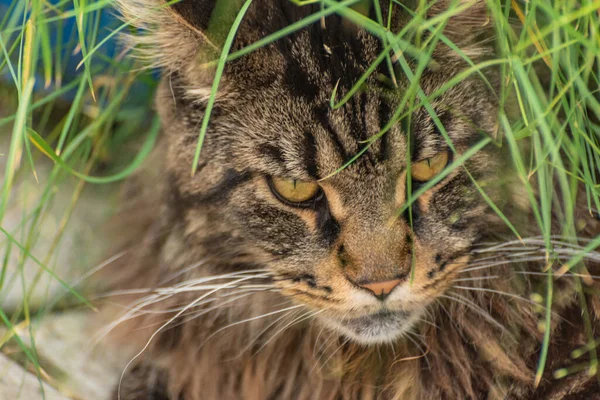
[{"x": 381, "y": 289}]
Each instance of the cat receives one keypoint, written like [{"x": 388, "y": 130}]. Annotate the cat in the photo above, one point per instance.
[{"x": 274, "y": 273}]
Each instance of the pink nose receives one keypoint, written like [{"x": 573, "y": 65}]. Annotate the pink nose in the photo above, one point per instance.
[{"x": 381, "y": 289}]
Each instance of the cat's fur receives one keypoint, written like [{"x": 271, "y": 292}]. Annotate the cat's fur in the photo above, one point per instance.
[{"x": 272, "y": 118}]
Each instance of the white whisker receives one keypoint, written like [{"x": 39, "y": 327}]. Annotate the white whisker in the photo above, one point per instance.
[
  {"x": 572, "y": 274},
  {"x": 166, "y": 324},
  {"x": 97, "y": 268},
  {"x": 162, "y": 294},
  {"x": 477, "y": 278},
  {"x": 248, "y": 320},
  {"x": 423, "y": 353},
  {"x": 303, "y": 317},
  {"x": 509, "y": 261},
  {"x": 324, "y": 363},
  {"x": 262, "y": 332},
  {"x": 317, "y": 339},
  {"x": 511, "y": 295},
  {"x": 192, "y": 315},
  {"x": 474, "y": 307},
  {"x": 325, "y": 345},
  {"x": 424, "y": 321}
]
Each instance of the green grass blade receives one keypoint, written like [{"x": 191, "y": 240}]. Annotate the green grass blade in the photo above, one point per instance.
[{"x": 217, "y": 81}]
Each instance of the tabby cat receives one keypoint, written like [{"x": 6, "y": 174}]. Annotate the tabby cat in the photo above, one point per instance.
[{"x": 274, "y": 273}]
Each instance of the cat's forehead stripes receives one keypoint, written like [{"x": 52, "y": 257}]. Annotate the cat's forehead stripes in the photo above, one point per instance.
[{"x": 273, "y": 118}]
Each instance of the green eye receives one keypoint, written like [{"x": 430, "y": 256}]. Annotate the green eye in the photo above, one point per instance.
[
  {"x": 294, "y": 191},
  {"x": 425, "y": 170}
]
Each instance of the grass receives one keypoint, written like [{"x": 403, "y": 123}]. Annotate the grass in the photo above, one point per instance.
[
  {"x": 77, "y": 120},
  {"x": 548, "y": 54}
]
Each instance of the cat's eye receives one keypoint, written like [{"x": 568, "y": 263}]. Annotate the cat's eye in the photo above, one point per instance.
[
  {"x": 424, "y": 170},
  {"x": 295, "y": 192}
]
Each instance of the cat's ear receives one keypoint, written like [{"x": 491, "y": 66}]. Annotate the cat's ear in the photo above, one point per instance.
[
  {"x": 169, "y": 33},
  {"x": 195, "y": 13},
  {"x": 469, "y": 25}
]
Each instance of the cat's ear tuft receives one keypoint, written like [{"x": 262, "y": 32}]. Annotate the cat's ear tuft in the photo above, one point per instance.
[{"x": 168, "y": 33}]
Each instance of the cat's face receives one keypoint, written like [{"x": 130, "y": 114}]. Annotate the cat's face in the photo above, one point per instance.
[{"x": 263, "y": 197}]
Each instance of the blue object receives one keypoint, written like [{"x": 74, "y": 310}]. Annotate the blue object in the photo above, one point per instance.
[{"x": 64, "y": 32}]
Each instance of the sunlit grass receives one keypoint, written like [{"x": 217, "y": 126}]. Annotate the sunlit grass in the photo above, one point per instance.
[
  {"x": 74, "y": 119},
  {"x": 548, "y": 56}
]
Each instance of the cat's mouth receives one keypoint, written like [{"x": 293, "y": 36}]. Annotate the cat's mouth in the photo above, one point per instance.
[{"x": 381, "y": 327}]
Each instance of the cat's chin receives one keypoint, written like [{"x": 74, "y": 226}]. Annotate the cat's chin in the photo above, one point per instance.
[{"x": 379, "y": 328}]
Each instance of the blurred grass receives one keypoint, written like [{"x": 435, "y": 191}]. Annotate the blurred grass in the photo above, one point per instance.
[
  {"x": 80, "y": 126},
  {"x": 82, "y": 119}
]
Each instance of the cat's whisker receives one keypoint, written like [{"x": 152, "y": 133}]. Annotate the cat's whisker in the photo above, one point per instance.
[
  {"x": 324, "y": 363},
  {"x": 560, "y": 255},
  {"x": 160, "y": 329},
  {"x": 479, "y": 260},
  {"x": 423, "y": 352},
  {"x": 506, "y": 259},
  {"x": 137, "y": 308},
  {"x": 317, "y": 339},
  {"x": 559, "y": 247},
  {"x": 511, "y": 261},
  {"x": 133, "y": 312},
  {"x": 248, "y": 320},
  {"x": 333, "y": 336},
  {"x": 418, "y": 335},
  {"x": 261, "y": 333},
  {"x": 241, "y": 293},
  {"x": 393, "y": 349},
  {"x": 499, "y": 263},
  {"x": 569, "y": 274},
  {"x": 325, "y": 345},
  {"x": 480, "y": 311},
  {"x": 539, "y": 239},
  {"x": 517, "y": 254},
  {"x": 304, "y": 317},
  {"x": 512, "y": 257},
  {"x": 116, "y": 257},
  {"x": 449, "y": 315},
  {"x": 424, "y": 321},
  {"x": 477, "y": 278},
  {"x": 192, "y": 315},
  {"x": 197, "y": 288},
  {"x": 204, "y": 279},
  {"x": 501, "y": 247},
  {"x": 588, "y": 255},
  {"x": 430, "y": 318},
  {"x": 99, "y": 267},
  {"x": 554, "y": 254},
  {"x": 429, "y": 313},
  {"x": 499, "y": 292},
  {"x": 131, "y": 292},
  {"x": 197, "y": 284},
  {"x": 161, "y": 311},
  {"x": 257, "y": 286},
  {"x": 126, "y": 292},
  {"x": 181, "y": 272},
  {"x": 289, "y": 319},
  {"x": 229, "y": 303},
  {"x": 563, "y": 248}
]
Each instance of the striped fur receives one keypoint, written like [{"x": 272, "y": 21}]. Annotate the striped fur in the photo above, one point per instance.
[{"x": 272, "y": 118}]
